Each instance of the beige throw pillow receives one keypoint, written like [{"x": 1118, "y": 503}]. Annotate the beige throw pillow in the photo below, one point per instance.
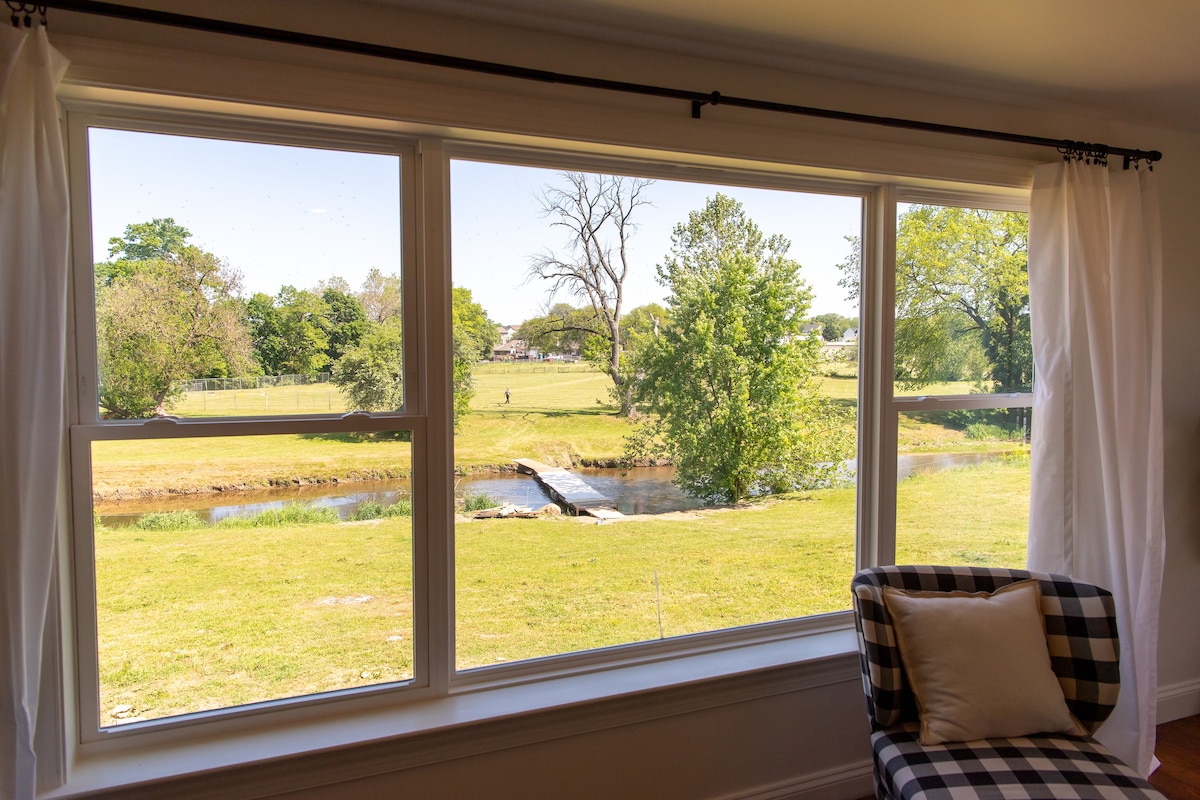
[{"x": 978, "y": 663}]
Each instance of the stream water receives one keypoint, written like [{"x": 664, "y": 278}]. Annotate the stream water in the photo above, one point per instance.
[{"x": 642, "y": 490}]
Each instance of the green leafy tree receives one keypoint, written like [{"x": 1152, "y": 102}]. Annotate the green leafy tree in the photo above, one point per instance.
[
  {"x": 472, "y": 321},
  {"x": 266, "y": 335},
  {"x": 474, "y": 337},
  {"x": 371, "y": 374},
  {"x": 304, "y": 326},
  {"x": 290, "y": 331},
  {"x": 347, "y": 319},
  {"x": 962, "y": 297},
  {"x": 143, "y": 241},
  {"x": 730, "y": 377},
  {"x": 166, "y": 319},
  {"x": 597, "y": 213},
  {"x": 565, "y": 329}
]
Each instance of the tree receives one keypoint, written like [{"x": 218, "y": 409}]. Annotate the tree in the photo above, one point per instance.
[
  {"x": 730, "y": 376},
  {"x": 474, "y": 337},
  {"x": 143, "y": 241},
  {"x": 371, "y": 374},
  {"x": 304, "y": 331},
  {"x": 834, "y": 325},
  {"x": 563, "y": 328},
  {"x": 381, "y": 295},
  {"x": 166, "y": 319},
  {"x": 962, "y": 297},
  {"x": 472, "y": 321},
  {"x": 290, "y": 331},
  {"x": 347, "y": 318},
  {"x": 597, "y": 212}
]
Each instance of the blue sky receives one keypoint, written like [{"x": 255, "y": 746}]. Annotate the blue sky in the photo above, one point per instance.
[{"x": 290, "y": 215}]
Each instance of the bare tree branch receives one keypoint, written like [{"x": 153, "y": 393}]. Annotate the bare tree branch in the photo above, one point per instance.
[{"x": 596, "y": 212}]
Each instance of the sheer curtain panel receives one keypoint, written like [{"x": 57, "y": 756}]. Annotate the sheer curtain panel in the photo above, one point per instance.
[
  {"x": 33, "y": 307},
  {"x": 1095, "y": 288}
]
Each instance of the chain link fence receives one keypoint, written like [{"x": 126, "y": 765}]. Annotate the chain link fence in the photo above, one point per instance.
[{"x": 249, "y": 382}]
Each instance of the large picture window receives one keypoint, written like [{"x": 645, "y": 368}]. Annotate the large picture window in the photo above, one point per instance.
[
  {"x": 672, "y": 362},
  {"x": 358, "y": 417}
]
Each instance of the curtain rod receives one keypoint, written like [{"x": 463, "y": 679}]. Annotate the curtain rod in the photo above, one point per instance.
[{"x": 1069, "y": 148}]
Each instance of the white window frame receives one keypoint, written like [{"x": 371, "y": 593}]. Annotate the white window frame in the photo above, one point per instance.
[
  {"x": 894, "y": 405},
  {"x": 815, "y": 649},
  {"x": 86, "y": 426}
]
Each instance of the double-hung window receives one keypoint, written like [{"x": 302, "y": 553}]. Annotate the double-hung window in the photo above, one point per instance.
[{"x": 232, "y": 286}]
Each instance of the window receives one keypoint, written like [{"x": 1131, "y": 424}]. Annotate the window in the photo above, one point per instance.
[
  {"x": 963, "y": 376},
  {"x": 567, "y": 261},
  {"x": 251, "y": 540},
  {"x": 296, "y": 440}
]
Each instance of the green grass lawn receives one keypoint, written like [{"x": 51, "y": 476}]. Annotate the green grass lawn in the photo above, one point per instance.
[{"x": 197, "y": 619}]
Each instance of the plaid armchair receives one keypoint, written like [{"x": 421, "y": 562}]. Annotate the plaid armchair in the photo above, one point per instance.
[{"x": 1081, "y": 635}]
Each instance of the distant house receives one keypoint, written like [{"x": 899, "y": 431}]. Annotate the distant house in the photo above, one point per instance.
[
  {"x": 507, "y": 332},
  {"x": 513, "y": 350},
  {"x": 851, "y": 335},
  {"x": 810, "y": 328}
]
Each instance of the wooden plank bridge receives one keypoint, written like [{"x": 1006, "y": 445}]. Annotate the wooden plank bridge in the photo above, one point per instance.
[{"x": 569, "y": 489}]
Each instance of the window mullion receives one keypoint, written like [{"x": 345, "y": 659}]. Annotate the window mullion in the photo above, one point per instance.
[
  {"x": 877, "y": 417},
  {"x": 435, "y": 536}
]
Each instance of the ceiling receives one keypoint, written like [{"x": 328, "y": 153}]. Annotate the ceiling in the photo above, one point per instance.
[{"x": 1127, "y": 59}]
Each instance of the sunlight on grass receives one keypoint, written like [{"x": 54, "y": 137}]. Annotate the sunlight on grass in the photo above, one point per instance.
[
  {"x": 215, "y": 617},
  {"x": 211, "y": 617}
]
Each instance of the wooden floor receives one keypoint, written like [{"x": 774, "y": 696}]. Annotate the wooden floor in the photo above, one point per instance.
[{"x": 1178, "y": 748}]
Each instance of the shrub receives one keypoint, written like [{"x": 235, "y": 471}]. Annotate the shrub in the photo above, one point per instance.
[
  {"x": 169, "y": 521},
  {"x": 289, "y": 514},
  {"x": 368, "y": 509},
  {"x": 984, "y": 431},
  {"x": 477, "y": 501},
  {"x": 400, "y": 508}
]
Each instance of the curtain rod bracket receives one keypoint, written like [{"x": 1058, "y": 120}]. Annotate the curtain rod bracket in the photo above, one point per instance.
[{"x": 713, "y": 99}]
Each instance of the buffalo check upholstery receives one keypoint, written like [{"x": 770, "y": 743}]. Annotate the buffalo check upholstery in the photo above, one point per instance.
[{"x": 1081, "y": 635}]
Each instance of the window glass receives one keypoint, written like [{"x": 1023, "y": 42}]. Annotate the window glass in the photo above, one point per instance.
[
  {"x": 258, "y": 286},
  {"x": 964, "y": 500},
  {"x": 962, "y": 301},
  {"x": 656, "y": 394},
  {"x": 962, "y": 333},
  {"x": 242, "y": 279},
  {"x": 212, "y": 599}
]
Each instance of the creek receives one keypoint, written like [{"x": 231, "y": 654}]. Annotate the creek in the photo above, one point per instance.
[{"x": 641, "y": 490}]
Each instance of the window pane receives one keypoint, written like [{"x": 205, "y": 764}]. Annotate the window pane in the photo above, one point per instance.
[
  {"x": 964, "y": 500},
  {"x": 962, "y": 301},
  {"x": 284, "y": 585},
  {"x": 237, "y": 279},
  {"x": 735, "y": 379}
]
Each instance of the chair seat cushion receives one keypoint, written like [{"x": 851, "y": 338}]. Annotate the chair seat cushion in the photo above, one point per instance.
[{"x": 1043, "y": 767}]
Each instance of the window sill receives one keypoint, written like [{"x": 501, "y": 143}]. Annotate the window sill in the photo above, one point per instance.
[{"x": 338, "y": 743}]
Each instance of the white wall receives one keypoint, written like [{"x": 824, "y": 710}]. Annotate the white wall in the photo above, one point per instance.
[{"x": 808, "y": 743}]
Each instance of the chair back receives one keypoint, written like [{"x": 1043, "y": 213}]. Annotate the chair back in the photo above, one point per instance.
[{"x": 1081, "y": 635}]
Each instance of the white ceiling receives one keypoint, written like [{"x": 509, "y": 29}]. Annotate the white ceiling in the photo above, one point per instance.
[{"x": 1132, "y": 59}]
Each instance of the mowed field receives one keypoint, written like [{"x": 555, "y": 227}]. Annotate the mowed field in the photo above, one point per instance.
[
  {"x": 209, "y": 617},
  {"x": 558, "y": 413}
]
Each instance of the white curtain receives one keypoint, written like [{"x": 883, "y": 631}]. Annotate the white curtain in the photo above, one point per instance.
[
  {"x": 33, "y": 307},
  {"x": 1095, "y": 288}
]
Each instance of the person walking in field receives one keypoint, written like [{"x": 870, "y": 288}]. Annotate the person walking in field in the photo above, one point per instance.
[{"x": 507, "y": 396}]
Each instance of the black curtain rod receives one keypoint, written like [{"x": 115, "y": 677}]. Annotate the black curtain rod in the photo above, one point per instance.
[{"x": 1070, "y": 148}]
